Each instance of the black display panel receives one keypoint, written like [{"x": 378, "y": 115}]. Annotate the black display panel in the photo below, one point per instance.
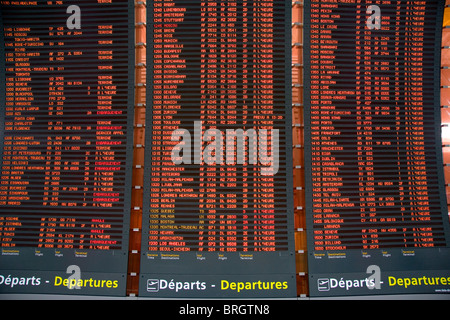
[
  {"x": 67, "y": 99},
  {"x": 375, "y": 198},
  {"x": 218, "y": 207}
]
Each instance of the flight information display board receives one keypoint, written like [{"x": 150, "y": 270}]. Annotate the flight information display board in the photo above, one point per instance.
[
  {"x": 218, "y": 207},
  {"x": 67, "y": 99},
  {"x": 376, "y": 205}
]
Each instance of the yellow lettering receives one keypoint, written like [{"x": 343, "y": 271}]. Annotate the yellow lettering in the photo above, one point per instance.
[
  {"x": 224, "y": 285},
  {"x": 392, "y": 281},
  {"x": 58, "y": 281}
]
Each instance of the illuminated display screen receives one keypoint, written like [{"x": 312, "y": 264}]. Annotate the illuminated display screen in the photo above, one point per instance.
[
  {"x": 66, "y": 106},
  {"x": 218, "y": 190},
  {"x": 373, "y": 152}
]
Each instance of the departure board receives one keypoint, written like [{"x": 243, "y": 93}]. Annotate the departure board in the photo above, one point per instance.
[
  {"x": 67, "y": 99},
  {"x": 218, "y": 207},
  {"x": 375, "y": 195}
]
